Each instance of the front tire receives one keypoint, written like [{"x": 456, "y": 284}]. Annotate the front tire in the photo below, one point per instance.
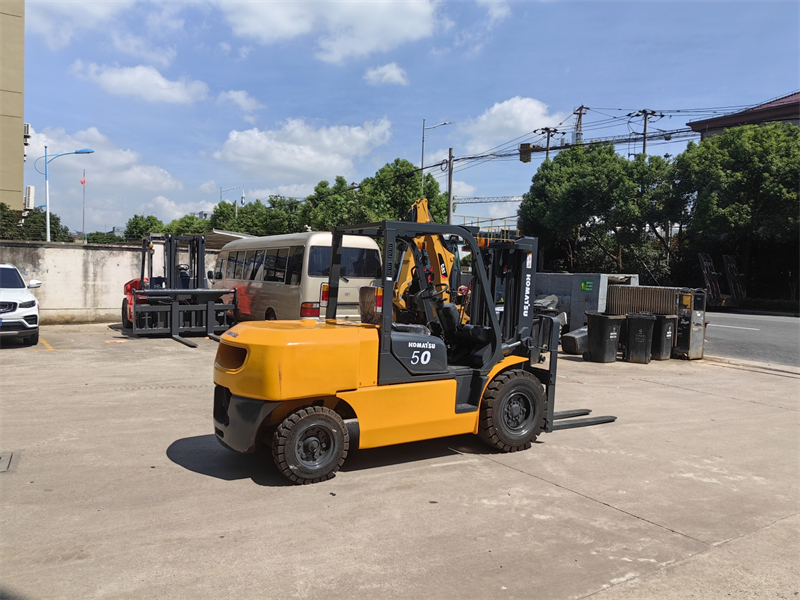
[
  {"x": 31, "y": 340},
  {"x": 512, "y": 411},
  {"x": 310, "y": 445},
  {"x": 126, "y": 324}
]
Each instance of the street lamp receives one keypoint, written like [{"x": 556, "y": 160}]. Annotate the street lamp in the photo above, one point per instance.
[
  {"x": 47, "y": 161},
  {"x": 235, "y": 206},
  {"x": 422, "y": 161}
]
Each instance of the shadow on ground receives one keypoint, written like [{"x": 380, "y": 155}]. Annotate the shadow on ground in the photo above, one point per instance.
[{"x": 204, "y": 455}]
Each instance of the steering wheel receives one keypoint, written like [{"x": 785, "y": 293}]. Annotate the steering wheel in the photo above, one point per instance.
[
  {"x": 183, "y": 267},
  {"x": 431, "y": 292}
]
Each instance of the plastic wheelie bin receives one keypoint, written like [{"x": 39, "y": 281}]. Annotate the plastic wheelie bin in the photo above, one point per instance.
[
  {"x": 664, "y": 336},
  {"x": 639, "y": 338},
  {"x": 603, "y": 336}
]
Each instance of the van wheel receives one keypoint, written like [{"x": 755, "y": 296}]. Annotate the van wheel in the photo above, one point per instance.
[
  {"x": 271, "y": 316},
  {"x": 126, "y": 324},
  {"x": 512, "y": 411},
  {"x": 310, "y": 445}
]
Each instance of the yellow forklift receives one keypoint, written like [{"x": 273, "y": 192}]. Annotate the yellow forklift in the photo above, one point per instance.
[{"x": 293, "y": 384}]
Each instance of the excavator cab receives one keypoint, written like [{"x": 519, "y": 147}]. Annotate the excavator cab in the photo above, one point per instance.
[{"x": 445, "y": 368}]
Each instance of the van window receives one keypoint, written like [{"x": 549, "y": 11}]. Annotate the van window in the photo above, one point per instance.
[
  {"x": 247, "y": 272},
  {"x": 272, "y": 270},
  {"x": 294, "y": 267},
  {"x": 258, "y": 262},
  {"x": 356, "y": 262},
  {"x": 219, "y": 268},
  {"x": 231, "y": 265},
  {"x": 239, "y": 265},
  {"x": 280, "y": 264}
]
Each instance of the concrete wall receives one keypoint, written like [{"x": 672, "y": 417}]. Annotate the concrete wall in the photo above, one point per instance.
[
  {"x": 80, "y": 284},
  {"x": 12, "y": 82}
]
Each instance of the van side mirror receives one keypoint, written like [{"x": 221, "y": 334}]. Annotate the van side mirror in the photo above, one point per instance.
[{"x": 34, "y": 283}]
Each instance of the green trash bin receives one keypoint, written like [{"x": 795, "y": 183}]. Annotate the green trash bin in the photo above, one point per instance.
[
  {"x": 639, "y": 338},
  {"x": 603, "y": 334},
  {"x": 664, "y": 336}
]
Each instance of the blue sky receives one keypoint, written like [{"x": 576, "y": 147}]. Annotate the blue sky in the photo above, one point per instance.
[{"x": 179, "y": 99}]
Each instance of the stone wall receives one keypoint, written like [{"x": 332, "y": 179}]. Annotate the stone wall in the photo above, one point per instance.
[{"x": 80, "y": 283}]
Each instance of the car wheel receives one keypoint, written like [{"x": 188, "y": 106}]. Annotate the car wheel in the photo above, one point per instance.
[
  {"x": 512, "y": 411},
  {"x": 31, "y": 340},
  {"x": 271, "y": 316},
  {"x": 310, "y": 444}
]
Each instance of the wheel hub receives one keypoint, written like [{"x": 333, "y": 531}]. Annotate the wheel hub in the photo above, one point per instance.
[
  {"x": 516, "y": 411},
  {"x": 313, "y": 446}
]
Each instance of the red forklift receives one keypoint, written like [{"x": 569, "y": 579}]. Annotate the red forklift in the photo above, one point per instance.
[{"x": 178, "y": 301}]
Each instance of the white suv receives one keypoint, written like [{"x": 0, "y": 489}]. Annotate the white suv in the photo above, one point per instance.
[{"x": 19, "y": 310}]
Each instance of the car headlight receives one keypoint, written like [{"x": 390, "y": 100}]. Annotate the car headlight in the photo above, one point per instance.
[{"x": 29, "y": 304}]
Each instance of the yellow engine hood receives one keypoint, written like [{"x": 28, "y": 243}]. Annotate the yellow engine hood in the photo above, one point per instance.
[{"x": 287, "y": 360}]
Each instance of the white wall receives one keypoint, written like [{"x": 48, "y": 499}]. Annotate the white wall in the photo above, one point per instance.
[{"x": 80, "y": 284}]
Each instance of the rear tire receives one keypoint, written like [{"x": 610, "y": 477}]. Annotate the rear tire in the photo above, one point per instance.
[
  {"x": 126, "y": 324},
  {"x": 513, "y": 411},
  {"x": 270, "y": 316},
  {"x": 310, "y": 445},
  {"x": 31, "y": 340}
]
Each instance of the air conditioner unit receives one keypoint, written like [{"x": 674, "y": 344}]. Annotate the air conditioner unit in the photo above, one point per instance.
[{"x": 29, "y": 198}]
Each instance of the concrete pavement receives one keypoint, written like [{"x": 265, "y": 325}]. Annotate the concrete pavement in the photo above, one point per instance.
[{"x": 117, "y": 489}]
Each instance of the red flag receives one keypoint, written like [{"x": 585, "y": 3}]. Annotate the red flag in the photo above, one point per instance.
[{"x": 83, "y": 181}]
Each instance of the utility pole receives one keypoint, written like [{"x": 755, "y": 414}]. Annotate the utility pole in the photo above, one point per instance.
[
  {"x": 450, "y": 188},
  {"x": 646, "y": 113},
  {"x": 577, "y": 136},
  {"x": 549, "y": 131}
]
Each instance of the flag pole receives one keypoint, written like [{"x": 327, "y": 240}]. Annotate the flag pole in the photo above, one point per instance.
[{"x": 83, "y": 226}]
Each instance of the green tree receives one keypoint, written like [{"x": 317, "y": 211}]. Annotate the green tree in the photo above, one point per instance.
[
  {"x": 742, "y": 187},
  {"x": 339, "y": 204},
  {"x": 280, "y": 215},
  {"x": 187, "y": 225},
  {"x": 396, "y": 186},
  {"x": 140, "y": 226},
  {"x": 34, "y": 228},
  {"x": 100, "y": 237}
]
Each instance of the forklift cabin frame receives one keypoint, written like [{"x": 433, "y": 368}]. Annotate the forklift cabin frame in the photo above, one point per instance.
[
  {"x": 518, "y": 332},
  {"x": 180, "y": 302}
]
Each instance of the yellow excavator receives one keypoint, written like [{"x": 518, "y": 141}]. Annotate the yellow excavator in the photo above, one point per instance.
[{"x": 303, "y": 387}]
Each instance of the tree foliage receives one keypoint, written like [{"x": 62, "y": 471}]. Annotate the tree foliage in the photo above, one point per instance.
[
  {"x": 34, "y": 228},
  {"x": 735, "y": 193},
  {"x": 140, "y": 226}
]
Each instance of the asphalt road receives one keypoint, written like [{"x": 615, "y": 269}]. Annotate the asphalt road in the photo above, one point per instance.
[{"x": 759, "y": 338}]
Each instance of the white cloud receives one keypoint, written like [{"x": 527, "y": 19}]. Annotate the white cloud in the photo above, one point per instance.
[
  {"x": 209, "y": 187},
  {"x": 244, "y": 52},
  {"x": 463, "y": 190},
  {"x": 58, "y": 22},
  {"x": 343, "y": 29},
  {"x": 297, "y": 190},
  {"x": 165, "y": 22},
  {"x": 507, "y": 120},
  {"x": 391, "y": 73},
  {"x": 299, "y": 153},
  {"x": 108, "y": 166},
  {"x": 241, "y": 99},
  {"x": 142, "y": 81},
  {"x": 141, "y": 48},
  {"x": 168, "y": 210},
  {"x": 498, "y": 10},
  {"x": 224, "y": 47}
]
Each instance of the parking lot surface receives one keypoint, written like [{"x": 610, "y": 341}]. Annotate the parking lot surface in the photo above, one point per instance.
[{"x": 117, "y": 488}]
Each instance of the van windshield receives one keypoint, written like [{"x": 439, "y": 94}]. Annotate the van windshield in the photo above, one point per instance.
[
  {"x": 356, "y": 262},
  {"x": 10, "y": 279}
]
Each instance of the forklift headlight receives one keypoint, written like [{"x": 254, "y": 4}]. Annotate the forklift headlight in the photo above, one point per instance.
[{"x": 29, "y": 304}]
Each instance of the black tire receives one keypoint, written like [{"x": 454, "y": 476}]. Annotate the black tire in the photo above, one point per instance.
[
  {"x": 310, "y": 445},
  {"x": 513, "y": 411},
  {"x": 270, "y": 316},
  {"x": 126, "y": 324},
  {"x": 31, "y": 340}
]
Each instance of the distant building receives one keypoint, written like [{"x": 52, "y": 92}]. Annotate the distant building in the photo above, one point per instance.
[
  {"x": 780, "y": 110},
  {"x": 117, "y": 231},
  {"x": 12, "y": 92},
  {"x": 203, "y": 214}
]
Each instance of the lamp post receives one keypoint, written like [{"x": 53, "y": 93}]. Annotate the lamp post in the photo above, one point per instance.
[
  {"x": 422, "y": 161},
  {"x": 47, "y": 161},
  {"x": 235, "y": 205}
]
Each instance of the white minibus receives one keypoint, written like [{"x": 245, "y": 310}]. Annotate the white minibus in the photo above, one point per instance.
[{"x": 280, "y": 276}]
